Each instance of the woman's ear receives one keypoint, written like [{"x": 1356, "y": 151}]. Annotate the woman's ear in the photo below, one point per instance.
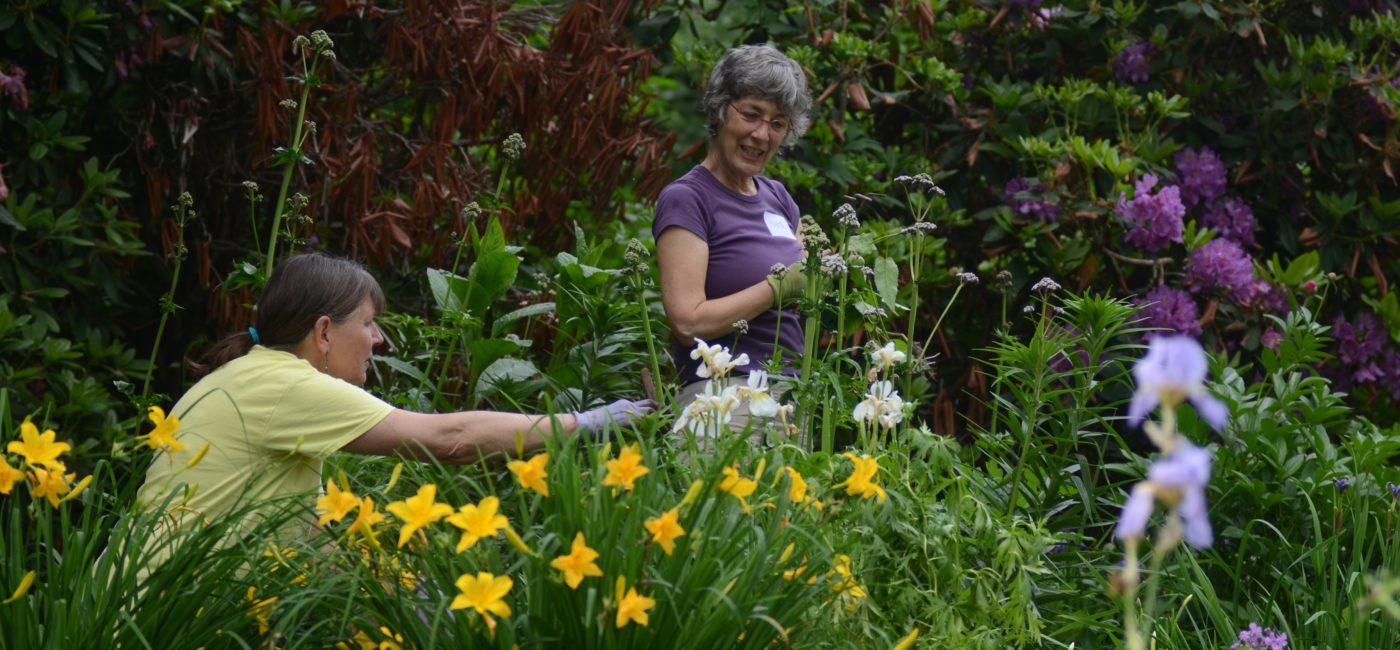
[{"x": 321, "y": 333}]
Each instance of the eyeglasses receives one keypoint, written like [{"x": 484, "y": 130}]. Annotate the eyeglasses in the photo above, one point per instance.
[{"x": 751, "y": 119}]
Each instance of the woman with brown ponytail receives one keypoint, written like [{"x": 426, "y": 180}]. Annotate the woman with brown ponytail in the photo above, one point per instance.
[{"x": 282, "y": 396}]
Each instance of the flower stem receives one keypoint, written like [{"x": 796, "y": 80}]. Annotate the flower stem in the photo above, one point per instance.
[{"x": 291, "y": 164}]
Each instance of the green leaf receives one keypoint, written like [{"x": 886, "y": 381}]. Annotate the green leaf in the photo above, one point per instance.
[
  {"x": 486, "y": 351},
  {"x": 524, "y": 312},
  {"x": 506, "y": 369},
  {"x": 10, "y": 220},
  {"x": 887, "y": 282},
  {"x": 490, "y": 277},
  {"x": 493, "y": 239},
  {"x": 400, "y": 366}
]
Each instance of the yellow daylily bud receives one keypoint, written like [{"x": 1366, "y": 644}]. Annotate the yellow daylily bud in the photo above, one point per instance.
[
  {"x": 519, "y": 443},
  {"x": 519, "y": 544},
  {"x": 77, "y": 489},
  {"x": 692, "y": 493},
  {"x": 762, "y": 464},
  {"x": 198, "y": 456},
  {"x": 394, "y": 476},
  {"x": 23, "y": 588},
  {"x": 908, "y": 641},
  {"x": 787, "y": 553}
]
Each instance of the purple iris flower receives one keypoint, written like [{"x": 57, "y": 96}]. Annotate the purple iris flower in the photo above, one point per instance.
[
  {"x": 1180, "y": 476},
  {"x": 1173, "y": 371},
  {"x": 1257, "y": 638}
]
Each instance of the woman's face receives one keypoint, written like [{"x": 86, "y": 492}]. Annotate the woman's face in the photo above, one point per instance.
[
  {"x": 752, "y": 131},
  {"x": 352, "y": 344}
]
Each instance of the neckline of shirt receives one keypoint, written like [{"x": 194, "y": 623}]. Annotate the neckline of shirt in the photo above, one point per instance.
[{"x": 713, "y": 180}]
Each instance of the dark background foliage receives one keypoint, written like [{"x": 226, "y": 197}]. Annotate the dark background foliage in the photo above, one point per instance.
[{"x": 110, "y": 109}]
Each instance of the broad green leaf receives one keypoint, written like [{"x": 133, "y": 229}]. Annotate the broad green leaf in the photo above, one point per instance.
[
  {"x": 524, "y": 312},
  {"x": 490, "y": 277},
  {"x": 887, "y": 282}
]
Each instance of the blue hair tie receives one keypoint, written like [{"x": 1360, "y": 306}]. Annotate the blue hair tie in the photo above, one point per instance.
[{"x": 253, "y": 332}]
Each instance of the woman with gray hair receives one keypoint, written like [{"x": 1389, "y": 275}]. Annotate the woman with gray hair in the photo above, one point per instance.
[{"x": 722, "y": 227}]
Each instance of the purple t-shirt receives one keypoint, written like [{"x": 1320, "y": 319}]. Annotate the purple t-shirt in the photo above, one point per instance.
[{"x": 747, "y": 235}]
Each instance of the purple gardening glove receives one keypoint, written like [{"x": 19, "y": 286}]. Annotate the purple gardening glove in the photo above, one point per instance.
[{"x": 621, "y": 413}]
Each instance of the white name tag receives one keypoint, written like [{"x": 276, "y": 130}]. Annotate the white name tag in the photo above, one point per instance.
[{"x": 778, "y": 225}]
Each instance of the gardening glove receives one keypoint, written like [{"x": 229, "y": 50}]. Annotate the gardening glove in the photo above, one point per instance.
[
  {"x": 621, "y": 413},
  {"x": 792, "y": 283}
]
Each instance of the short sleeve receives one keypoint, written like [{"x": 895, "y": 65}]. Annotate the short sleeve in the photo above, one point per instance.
[
  {"x": 321, "y": 414},
  {"x": 790, "y": 209},
  {"x": 680, "y": 206}
]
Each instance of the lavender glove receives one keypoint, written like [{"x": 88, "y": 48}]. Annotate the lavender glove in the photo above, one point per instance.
[{"x": 621, "y": 413}]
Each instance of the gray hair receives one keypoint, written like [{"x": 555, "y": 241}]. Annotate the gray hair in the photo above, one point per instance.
[{"x": 758, "y": 71}]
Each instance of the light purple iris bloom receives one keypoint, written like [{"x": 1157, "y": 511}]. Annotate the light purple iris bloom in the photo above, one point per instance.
[
  {"x": 1174, "y": 370},
  {"x": 1183, "y": 474}
]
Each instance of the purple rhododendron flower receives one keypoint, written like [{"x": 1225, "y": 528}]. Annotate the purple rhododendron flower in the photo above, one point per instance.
[
  {"x": 1257, "y": 638},
  {"x": 1270, "y": 338},
  {"x": 1174, "y": 370},
  {"x": 13, "y": 85},
  {"x": 1133, "y": 63},
  {"x": 1221, "y": 266},
  {"x": 1360, "y": 350},
  {"x": 1169, "y": 309},
  {"x": 1232, "y": 218},
  {"x": 1268, "y": 297},
  {"x": 1155, "y": 218},
  {"x": 1181, "y": 477},
  {"x": 1023, "y": 197},
  {"x": 1202, "y": 175}
]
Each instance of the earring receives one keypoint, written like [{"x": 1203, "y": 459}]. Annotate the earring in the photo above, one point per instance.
[{"x": 326, "y": 362}]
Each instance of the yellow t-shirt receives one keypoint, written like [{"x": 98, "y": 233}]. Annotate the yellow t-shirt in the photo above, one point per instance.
[{"x": 270, "y": 419}]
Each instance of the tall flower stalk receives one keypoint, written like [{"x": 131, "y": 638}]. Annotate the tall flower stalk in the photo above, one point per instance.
[
  {"x": 637, "y": 267},
  {"x": 816, "y": 242},
  {"x": 184, "y": 212},
  {"x": 918, "y": 185},
  {"x": 1172, "y": 372},
  {"x": 320, "y": 46}
]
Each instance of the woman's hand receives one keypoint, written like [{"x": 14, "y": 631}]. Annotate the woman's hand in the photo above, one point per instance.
[
  {"x": 789, "y": 284},
  {"x": 622, "y": 413}
]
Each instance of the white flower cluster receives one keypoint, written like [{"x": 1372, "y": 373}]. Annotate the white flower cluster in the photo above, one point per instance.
[
  {"x": 714, "y": 407},
  {"x": 882, "y": 404}
]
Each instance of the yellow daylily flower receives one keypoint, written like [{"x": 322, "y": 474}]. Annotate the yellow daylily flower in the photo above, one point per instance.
[
  {"x": 24, "y": 584},
  {"x": 50, "y": 485},
  {"x": 336, "y": 504},
  {"x": 365, "y": 521},
  {"x": 626, "y": 468},
  {"x": 665, "y": 529},
  {"x": 738, "y": 485},
  {"x": 578, "y": 563},
  {"x": 797, "y": 490},
  {"x": 632, "y": 606},
  {"x": 531, "y": 473},
  {"x": 418, "y": 511},
  {"x": 8, "y": 476},
  {"x": 38, "y": 448},
  {"x": 863, "y": 478},
  {"x": 484, "y": 593},
  {"x": 478, "y": 521},
  {"x": 163, "y": 436},
  {"x": 260, "y": 609},
  {"x": 847, "y": 585}
]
